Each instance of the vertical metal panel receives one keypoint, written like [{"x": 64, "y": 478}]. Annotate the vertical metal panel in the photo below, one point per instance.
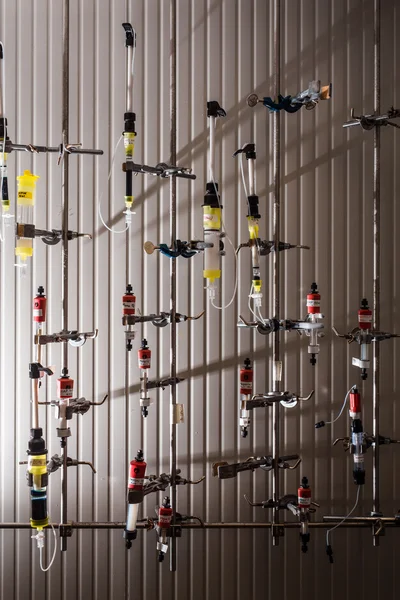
[{"x": 224, "y": 52}]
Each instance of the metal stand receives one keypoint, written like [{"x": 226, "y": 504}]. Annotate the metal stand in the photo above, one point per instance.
[
  {"x": 376, "y": 261},
  {"x": 64, "y": 252},
  {"x": 277, "y": 367},
  {"x": 172, "y": 461}
]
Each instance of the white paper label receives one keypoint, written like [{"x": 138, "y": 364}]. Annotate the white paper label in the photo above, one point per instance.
[
  {"x": 313, "y": 302},
  {"x": 135, "y": 481},
  {"x": 177, "y": 414},
  {"x": 129, "y": 304},
  {"x": 365, "y": 318},
  {"x": 246, "y": 385}
]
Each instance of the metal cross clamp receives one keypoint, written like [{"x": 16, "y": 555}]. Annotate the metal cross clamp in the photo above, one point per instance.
[
  {"x": 49, "y": 237},
  {"x": 56, "y": 463},
  {"x": 368, "y": 122},
  {"x": 291, "y": 104},
  {"x": 266, "y": 247},
  {"x": 64, "y": 149},
  {"x": 163, "y": 383},
  {"x": 224, "y": 470},
  {"x": 74, "y": 338},
  {"x": 364, "y": 335},
  {"x": 368, "y": 441},
  {"x": 159, "y": 483},
  {"x": 287, "y": 399},
  {"x": 161, "y": 170},
  {"x": 161, "y": 320},
  {"x": 178, "y": 248}
]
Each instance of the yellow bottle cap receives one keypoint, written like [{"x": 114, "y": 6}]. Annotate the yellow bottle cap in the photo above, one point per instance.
[{"x": 27, "y": 178}]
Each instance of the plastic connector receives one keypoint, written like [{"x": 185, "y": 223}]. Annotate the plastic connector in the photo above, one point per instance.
[
  {"x": 39, "y": 537},
  {"x": 211, "y": 291}
]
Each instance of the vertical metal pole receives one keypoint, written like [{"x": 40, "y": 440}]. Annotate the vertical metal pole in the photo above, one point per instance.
[
  {"x": 376, "y": 257},
  {"x": 64, "y": 248},
  {"x": 276, "y": 273},
  {"x": 173, "y": 274}
]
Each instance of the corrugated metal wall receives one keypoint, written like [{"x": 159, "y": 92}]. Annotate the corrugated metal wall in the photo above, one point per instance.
[{"x": 224, "y": 53}]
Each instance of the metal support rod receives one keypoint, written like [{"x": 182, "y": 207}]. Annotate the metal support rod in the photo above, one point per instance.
[
  {"x": 172, "y": 562},
  {"x": 64, "y": 249},
  {"x": 1, "y": 83},
  {"x": 351, "y": 524},
  {"x": 276, "y": 273},
  {"x": 211, "y": 162},
  {"x": 376, "y": 259},
  {"x": 35, "y": 386}
]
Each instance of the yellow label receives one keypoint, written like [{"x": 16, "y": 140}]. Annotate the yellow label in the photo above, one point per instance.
[
  {"x": 212, "y": 274},
  {"x": 211, "y": 218},
  {"x": 24, "y": 251},
  {"x": 25, "y": 198},
  {"x": 128, "y": 201},
  {"x": 129, "y": 144},
  {"x": 37, "y": 461},
  {"x": 39, "y": 524},
  {"x": 257, "y": 284},
  {"x": 253, "y": 228}
]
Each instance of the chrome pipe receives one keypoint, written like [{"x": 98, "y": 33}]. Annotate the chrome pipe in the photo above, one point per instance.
[
  {"x": 276, "y": 274},
  {"x": 64, "y": 249},
  {"x": 376, "y": 261},
  {"x": 172, "y": 462}
]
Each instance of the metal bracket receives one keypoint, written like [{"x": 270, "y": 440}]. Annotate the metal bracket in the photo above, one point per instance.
[
  {"x": 161, "y": 170},
  {"x": 65, "y": 529},
  {"x": 368, "y": 122},
  {"x": 159, "y": 483},
  {"x": 225, "y": 470},
  {"x": 287, "y": 399},
  {"x": 74, "y": 338},
  {"x": 291, "y": 104},
  {"x": 160, "y": 320},
  {"x": 378, "y": 528},
  {"x": 178, "y": 248}
]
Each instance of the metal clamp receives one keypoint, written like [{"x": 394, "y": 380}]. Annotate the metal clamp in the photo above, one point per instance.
[
  {"x": 224, "y": 470},
  {"x": 74, "y": 338},
  {"x": 163, "y": 383},
  {"x": 287, "y": 399},
  {"x": 74, "y": 149},
  {"x": 178, "y": 248},
  {"x": 9, "y": 146},
  {"x": 368, "y": 122},
  {"x": 56, "y": 463},
  {"x": 161, "y": 170},
  {"x": 291, "y": 104},
  {"x": 159, "y": 483},
  {"x": 65, "y": 530}
]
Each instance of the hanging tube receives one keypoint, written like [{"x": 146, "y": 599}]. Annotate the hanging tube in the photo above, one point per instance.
[{"x": 129, "y": 119}]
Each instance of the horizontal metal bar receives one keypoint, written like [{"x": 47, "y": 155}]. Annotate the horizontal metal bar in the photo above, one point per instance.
[{"x": 357, "y": 522}]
